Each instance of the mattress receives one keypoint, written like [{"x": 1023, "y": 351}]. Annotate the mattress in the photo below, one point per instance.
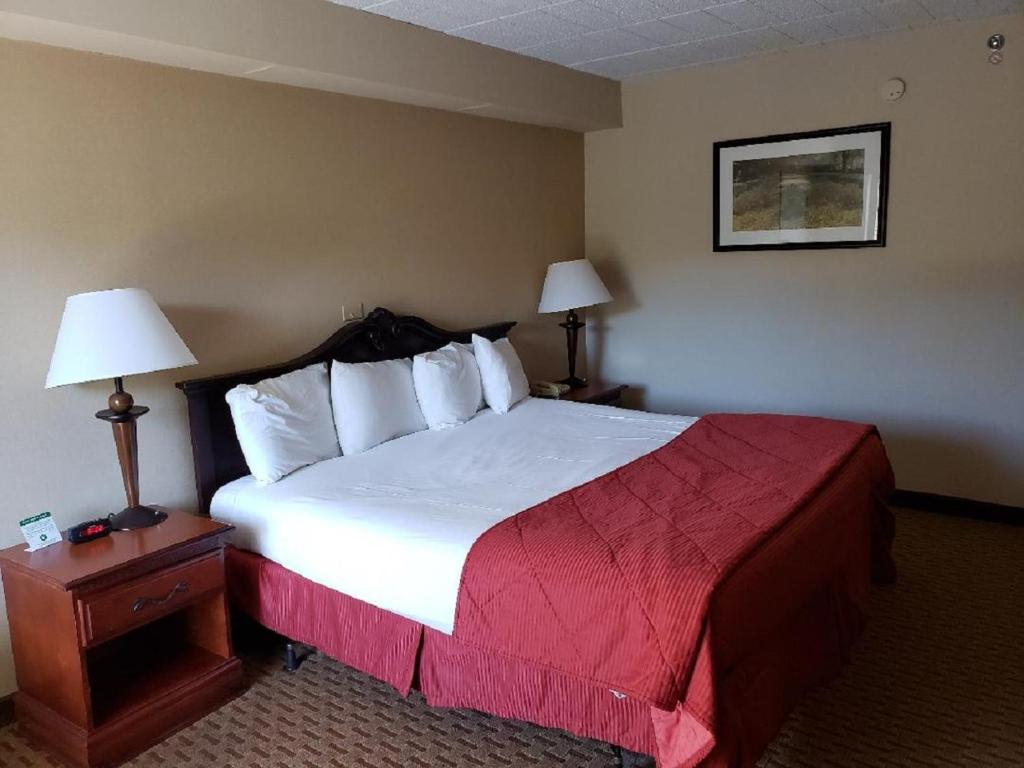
[{"x": 393, "y": 526}]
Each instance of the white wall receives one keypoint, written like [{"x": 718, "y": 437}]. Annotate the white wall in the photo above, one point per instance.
[{"x": 924, "y": 337}]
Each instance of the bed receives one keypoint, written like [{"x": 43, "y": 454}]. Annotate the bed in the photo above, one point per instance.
[{"x": 498, "y": 565}]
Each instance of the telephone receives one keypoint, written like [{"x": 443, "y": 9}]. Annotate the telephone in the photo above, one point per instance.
[{"x": 548, "y": 389}]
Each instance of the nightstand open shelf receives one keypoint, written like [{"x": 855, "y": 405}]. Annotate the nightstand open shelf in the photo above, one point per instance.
[{"x": 146, "y": 666}]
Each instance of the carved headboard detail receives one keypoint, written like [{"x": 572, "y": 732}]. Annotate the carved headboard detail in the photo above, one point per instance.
[{"x": 382, "y": 335}]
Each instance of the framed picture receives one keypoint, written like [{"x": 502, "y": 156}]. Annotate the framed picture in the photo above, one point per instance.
[{"x": 820, "y": 189}]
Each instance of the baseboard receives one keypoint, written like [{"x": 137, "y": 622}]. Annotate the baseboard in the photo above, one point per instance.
[
  {"x": 954, "y": 505},
  {"x": 6, "y": 710}
]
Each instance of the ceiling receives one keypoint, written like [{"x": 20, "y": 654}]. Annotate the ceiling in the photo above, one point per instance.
[{"x": 625, "y": 38}]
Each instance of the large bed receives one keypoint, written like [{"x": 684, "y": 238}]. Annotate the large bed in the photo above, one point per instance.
[{"x": 393, "y": 560}]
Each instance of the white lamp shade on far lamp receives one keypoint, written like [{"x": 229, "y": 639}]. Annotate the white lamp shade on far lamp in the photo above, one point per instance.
[
  {"x": 112, "y": 334},
  {"x": 572, "y": 285}
]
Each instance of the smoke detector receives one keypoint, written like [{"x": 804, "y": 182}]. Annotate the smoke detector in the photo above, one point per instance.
[{"x": 893, "y": 90}]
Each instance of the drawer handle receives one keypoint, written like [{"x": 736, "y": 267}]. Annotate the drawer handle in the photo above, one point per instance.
[{"x": 142, "y": 602}]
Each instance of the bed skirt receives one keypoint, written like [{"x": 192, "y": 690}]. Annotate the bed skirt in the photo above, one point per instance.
[{"x": 784, "y": 622}]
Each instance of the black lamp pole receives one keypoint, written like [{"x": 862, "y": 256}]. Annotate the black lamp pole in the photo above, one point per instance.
[{"x": 572, "y": 327}]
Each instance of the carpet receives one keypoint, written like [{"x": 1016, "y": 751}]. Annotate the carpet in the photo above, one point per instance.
[{"x": 936, "y": 680}]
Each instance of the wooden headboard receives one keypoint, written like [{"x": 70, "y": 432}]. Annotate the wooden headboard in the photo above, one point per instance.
[{"x": 380, "y": 336}]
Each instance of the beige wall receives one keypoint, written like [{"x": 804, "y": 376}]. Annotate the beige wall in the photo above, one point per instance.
[
  {"x": 252, "y": 212},
  {"x": 924, "y": 337}
]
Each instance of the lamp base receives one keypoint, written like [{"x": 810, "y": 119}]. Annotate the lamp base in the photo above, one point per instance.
[
  {"x": 574, "y": 382},
  {"x": 133, "y": 518}
]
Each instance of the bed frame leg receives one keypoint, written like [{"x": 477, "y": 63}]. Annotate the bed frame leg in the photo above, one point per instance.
[
  {"x": 292, "y": 659},
  {"x": 626, "y": 759}
]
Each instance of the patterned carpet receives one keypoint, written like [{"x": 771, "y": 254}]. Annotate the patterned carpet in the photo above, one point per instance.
[{"x": 937, "y": 680}]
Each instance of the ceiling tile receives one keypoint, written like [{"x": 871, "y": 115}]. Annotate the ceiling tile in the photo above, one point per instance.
[
  {"x": 670, "y": 7},
  {"x": 442, "y": 16},
  {"x": 791, "y": 10},
  {"x": 948, "y": 9},
  {"x": 671, "y": 57},
  {"x": 522, "y": 30},
  {"x": 848, "y": 5},
  {"x": 809, "y": 31},
  {"x": 700, "y": 24},
  {"x": 631, "y": 11},
  {"x": 659, "y": 32},
  {"x": 854, "y": 23},
  {"x": 445, "y": 15},
  {"x": 498, "y": 8},
  {"x": 901, "y": 14},
  {"x": 726, "y": 47},
  {"x": 769, "y": 39},
  {"x": 586, "y": 14},
  {"x": 741, "y": 44},
  {"x": 983, "y": 8},
  {"x": 998, "y": 7},
  {"x": 742, "y": 15},
  {"x": 596, "y": 45}
]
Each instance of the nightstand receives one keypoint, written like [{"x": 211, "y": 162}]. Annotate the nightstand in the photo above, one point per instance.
[
  {"x": 597, "y": 392},
  {"x": 120, "y": 641}
]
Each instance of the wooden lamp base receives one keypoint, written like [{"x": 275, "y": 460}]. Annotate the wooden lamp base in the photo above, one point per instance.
[{"x": 122, "y": 415}]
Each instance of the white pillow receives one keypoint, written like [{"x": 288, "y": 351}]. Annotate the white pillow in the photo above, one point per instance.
[
  {"x": 373, "y": 403},
  {"x": 468, "y": 349},
  {"x": 501, "y": 373},
  {"x": 447, "y": 385},
  {"x": 284, "y": 423}
]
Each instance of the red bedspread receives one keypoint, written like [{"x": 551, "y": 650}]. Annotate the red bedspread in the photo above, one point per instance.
[
  {"x": 776, "y": 620},
  {"x": 612, "y": 582}
]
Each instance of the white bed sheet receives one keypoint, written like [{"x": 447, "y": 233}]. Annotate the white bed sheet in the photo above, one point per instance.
[{"x": 393, "y": 526}]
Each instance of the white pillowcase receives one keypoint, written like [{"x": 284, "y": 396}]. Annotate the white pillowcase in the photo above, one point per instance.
[
  {"x": 501, "y": 373},
  {"x": 373, "y": 403},
  {"x": 284, "y": 423},
  {"x": 447, "y": 385}
]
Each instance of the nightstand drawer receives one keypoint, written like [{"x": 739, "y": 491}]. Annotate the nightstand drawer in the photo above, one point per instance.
[{"x": 111, "y": 612}]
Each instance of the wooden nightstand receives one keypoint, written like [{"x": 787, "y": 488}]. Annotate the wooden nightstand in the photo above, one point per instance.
[
  {"x": 121, "y": 641},
  {"x": 597, "y": 392}
]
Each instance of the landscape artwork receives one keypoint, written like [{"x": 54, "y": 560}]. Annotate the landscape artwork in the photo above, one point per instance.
[
  {"x": 799, "y": 191},
  {"x": 771, "y": 193}
]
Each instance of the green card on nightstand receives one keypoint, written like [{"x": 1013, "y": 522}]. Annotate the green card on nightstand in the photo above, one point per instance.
[{"x": 39, "y": 531}]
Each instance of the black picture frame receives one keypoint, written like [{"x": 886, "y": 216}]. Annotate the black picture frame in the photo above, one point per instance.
[{"x": 885, "y": 134}]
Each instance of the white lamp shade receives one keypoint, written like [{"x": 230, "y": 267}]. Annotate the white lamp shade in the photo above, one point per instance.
[
  {"x": 571, "y": 285},
  {"x": 107, "y": 334}
]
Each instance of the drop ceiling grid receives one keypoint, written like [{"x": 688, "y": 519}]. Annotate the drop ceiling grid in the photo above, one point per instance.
[{"x": 626, "y": 38}]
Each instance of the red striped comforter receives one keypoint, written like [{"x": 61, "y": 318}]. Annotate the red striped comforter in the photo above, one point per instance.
[{"x": 611, "y": 582}]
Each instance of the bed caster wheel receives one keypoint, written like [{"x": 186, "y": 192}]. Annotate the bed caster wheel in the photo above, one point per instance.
[{"x": 626, "y": 759}]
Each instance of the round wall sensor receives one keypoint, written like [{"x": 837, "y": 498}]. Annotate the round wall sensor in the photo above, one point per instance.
[{"x": 893, "y": 90}]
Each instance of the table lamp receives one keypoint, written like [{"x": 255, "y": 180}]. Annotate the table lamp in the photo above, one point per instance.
[
  {"x": 572, "y": 285},
  {"x": 110, "y": 335}
]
